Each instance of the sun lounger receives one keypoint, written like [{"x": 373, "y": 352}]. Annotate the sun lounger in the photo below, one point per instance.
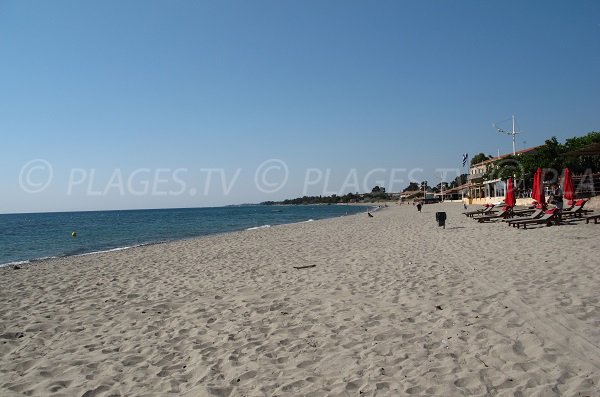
[
  {"x": 594, "y": 217},
  {"x": 479, "y": 211},
  {"x": 577, "y": 210},
  {"x": 524, "y": 211},
  {"x": 487, "y": 210},
  {"x": 535, "y": 215},
  {"x": 571, "y": 205},
  {"x": 547, "y": 218},
  {"x": 504, "y": 213}
]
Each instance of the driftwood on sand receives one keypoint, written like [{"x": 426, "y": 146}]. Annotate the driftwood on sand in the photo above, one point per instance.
[{"x": 304, "y": 267}]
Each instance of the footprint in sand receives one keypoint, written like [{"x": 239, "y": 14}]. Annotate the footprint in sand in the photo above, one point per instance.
[
  {"x": 132, "y": 360},
  {"x": 414, "y": 390},
  {"x": 58, "y": 385},
  {"x": 95, "y": 392},
  {"x": 245, "y": 376}
]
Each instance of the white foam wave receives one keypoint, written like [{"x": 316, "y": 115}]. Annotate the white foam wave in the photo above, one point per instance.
[
  {"x": 109, "y": 250},
  {"x": 259, "y": 227},
  {"x": 15, "y": 263},
  {"x": 28, "y": 261}
]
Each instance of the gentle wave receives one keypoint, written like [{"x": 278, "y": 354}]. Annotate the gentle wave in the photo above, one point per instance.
[
  {"x": 28, "y": 261},
  {"x": 45, "y": 258},
  {"x": 259, "y": 227},
  {"x": 110, "y": 250},
  {"x": 14, "y": 263}
]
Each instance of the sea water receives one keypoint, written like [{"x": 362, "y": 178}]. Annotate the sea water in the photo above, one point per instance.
[{"x": 30, "y": 237}]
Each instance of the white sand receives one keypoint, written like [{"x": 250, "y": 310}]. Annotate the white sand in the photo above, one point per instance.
[{"x": 230, "y": 316}]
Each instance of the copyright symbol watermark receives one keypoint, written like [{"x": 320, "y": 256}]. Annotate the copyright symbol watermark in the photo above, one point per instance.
[
  {"x": 506, "y": 168},
  {"x": 279, "y": 172},
  {"x": 36, "y": 176}
]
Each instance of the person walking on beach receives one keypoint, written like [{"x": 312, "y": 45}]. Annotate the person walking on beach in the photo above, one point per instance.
[{"x": 419, "y": 207}]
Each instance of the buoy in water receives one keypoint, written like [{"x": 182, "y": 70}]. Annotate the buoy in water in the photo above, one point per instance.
[{"x": 73, "y": 234}]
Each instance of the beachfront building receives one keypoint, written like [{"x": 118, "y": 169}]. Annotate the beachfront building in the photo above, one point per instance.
[
  {"x": 480, "y": 190},
  {"x": 457, "y": 193},
  {"x": 411, "y": 195}
]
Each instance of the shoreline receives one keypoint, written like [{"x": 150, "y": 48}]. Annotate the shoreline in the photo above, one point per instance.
[
  {"x": 43, "y": 260},
  {"x": 394, "y": 305}
]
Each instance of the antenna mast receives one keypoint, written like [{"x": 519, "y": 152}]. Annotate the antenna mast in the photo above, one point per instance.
[{"x": 514, "y": 133}]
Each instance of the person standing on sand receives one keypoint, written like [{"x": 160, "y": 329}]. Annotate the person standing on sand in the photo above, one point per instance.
[
  {"x": 419, "y": 207},
  {"x": 556, "y": 197}
]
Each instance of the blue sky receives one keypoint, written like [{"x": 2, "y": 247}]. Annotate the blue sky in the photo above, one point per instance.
[{"x": 338, "y": 85}]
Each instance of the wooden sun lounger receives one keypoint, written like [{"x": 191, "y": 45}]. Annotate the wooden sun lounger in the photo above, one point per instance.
[
  {"x": 548, "y": 218},
  {"x": 535, "y": 215},
  {"x": 571, "y": 205},
  {"x": 577, "y": 210},
  {"x": 595, "y": 217},
  {"x": 505, "y": 213},
  {"x": 524, "y": 212},
  {"x": 481, "y": 211}
]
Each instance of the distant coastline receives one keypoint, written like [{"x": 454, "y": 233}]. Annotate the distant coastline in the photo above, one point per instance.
[{"x": 376, "y": 195}]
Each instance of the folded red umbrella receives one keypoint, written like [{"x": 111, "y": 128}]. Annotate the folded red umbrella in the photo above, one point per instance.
[
  {"x": 568, "y": 189},
  {"x": 510, "y": 199},
  {"x": 537, "y": 193}
]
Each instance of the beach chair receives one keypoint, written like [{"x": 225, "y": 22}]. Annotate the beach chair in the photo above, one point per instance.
[
  {"x": 528, "y": 211},
  {"x": 570, "y": 205},
  {"x": 504, "y": 213},
  {"x": 595, "y": 217},
  {"x": 577, "y": 210},
  {"x": 487, "y": 210},
  {"x": 547, "y": 218},
  {"x": 524, "y": 211},
  {"x": 535, "y": 215}
]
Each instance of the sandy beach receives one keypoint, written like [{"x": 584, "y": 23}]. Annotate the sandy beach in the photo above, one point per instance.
[{"x": 393, "y": 306}]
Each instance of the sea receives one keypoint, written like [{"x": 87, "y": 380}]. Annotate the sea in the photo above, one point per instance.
[{"x": 26, "y": 238}]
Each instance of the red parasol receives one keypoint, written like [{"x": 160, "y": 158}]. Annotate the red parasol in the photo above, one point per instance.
[
  {"x": 510, "y": 199},
  {"x": 537, "y": 193},
  {"x": 569, "y": 190}
]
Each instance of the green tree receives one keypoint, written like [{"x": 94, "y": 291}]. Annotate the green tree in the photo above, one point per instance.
[
  {"x": 579, "y": 164},
  {"x": 378, "y": 193},
  {"x": 412, "y": 187},
  {"x": 480, "y": 157},
  {"x": 441, "y": 186},
  {"x": 459, "y": 180}
]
